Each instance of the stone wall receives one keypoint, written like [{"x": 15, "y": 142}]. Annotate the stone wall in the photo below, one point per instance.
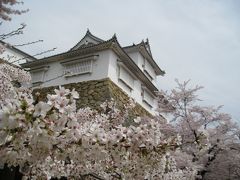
[{"x": 95, "y": 92}]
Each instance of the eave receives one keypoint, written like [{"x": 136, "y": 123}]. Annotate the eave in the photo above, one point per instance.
[{"x": 80, "y": 51}]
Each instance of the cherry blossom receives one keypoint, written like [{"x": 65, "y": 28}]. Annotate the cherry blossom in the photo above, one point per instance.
[
  {"x": 55, "y": 139},
  {"x": 206, "y": 132}
]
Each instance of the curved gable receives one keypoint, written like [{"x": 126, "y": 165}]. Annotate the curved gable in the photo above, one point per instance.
[{"x": 88, "y": 40}]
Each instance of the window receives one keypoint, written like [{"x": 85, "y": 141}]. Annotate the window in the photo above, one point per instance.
[
  {"x": 126, "y": 77},
  {"x": 148, "y": 69},
  {"x": 38, "y": 74},
  {"x": 147, "y": 97},
  {"x": 76, "y": 68}
]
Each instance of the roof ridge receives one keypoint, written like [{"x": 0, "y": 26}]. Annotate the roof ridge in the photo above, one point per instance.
[
  {"x": 149, "y": 48},
  {"x": 90, "y": 34}
]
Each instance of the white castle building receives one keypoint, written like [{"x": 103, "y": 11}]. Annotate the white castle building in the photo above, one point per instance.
[
  {"x": 131, "y": 68},
  {"x": 14, "y": 55}
]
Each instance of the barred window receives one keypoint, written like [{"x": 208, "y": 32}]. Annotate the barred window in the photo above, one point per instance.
[
  {"x": 38, "y": 74},
  {"x": 82, "y": 67},
  {"x": 126, "y": 78}
]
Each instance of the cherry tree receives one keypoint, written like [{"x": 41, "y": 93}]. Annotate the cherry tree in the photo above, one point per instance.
[
  {"x": 6, "y": 9},
  {"x": 206, "y": 132},
  {"x": 54, "y": 139},
  {"x": 226, "y": 164}
]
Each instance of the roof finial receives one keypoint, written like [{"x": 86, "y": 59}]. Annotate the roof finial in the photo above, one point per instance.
[
  {"x": 147, "y": 41},
  {"x": 88, "y": 32},
  {"x": 114, "y": 36}
]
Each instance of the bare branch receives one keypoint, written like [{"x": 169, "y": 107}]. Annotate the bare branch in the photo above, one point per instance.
[
  {"x": 29, "y": 43},
  {"x": 18, "y": 31},
  {"x": 38, "y": 54}
]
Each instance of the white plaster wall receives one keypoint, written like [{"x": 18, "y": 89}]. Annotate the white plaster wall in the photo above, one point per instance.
[
  {"x": 134, "y": 56},
  {"x": 139, "y": 60},
  {"x": 140, "y": 65},
  {"x": 113, "y": 71},
  {"x": 99, "y": 71},
  {"x": 113, "y": 67},
  {"x": 137, "y": 89},
  {"x": 12, "y": 56}
]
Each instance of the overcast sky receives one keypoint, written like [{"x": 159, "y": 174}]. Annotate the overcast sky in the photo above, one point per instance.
[{"x": 190, "y": 39}]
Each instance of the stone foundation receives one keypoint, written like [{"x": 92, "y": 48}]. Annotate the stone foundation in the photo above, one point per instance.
[{"x": 95, "y": 92}]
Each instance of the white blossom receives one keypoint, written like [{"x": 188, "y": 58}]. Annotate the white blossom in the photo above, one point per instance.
[{"x": 41, "y": 109}]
